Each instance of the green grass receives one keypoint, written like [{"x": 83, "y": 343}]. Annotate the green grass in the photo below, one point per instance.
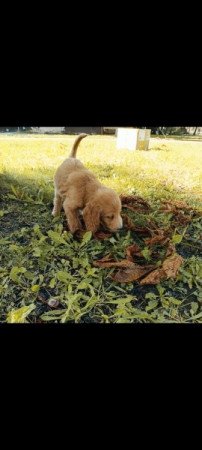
[{"x": 40, "y": 264}]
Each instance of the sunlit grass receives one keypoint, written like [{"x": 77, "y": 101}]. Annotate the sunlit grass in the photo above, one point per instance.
[{"x": 168, "y": 166}]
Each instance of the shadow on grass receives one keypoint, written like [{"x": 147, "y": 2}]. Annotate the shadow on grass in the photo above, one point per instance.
[
  {"x": 24, "y": 202},
  {"x": 30, "y": 189}
]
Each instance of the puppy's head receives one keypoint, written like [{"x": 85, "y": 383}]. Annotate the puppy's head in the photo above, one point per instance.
[{"x": 105, "y": 209}]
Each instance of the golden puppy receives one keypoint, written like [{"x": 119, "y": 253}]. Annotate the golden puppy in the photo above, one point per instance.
[{"x": 77, "y": 189}]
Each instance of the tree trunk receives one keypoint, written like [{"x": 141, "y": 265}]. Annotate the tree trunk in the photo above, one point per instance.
[{"x": 194, "y": 133}]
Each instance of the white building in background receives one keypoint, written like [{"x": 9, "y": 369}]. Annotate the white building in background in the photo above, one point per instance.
[{"x": 191, "y": 130}]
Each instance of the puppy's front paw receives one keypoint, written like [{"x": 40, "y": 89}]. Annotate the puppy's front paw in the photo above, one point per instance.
[{"x": 54, "y": 213}]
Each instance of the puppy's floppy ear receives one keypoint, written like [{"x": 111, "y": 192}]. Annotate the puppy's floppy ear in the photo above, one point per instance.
[{"x": 91, "y": 217}]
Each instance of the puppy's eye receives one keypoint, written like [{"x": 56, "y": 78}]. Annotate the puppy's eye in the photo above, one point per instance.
[{"x": 111, "y": 216}]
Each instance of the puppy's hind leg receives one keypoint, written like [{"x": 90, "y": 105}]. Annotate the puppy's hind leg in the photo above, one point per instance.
[{"x": 57, "y": 205}]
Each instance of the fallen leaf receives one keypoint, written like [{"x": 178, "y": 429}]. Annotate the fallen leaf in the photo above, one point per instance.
[
  {"x": 102, "y": 235},
  {"x": 179, "y": 210},
  {"x": 131, "y": 274},
  {"x": 134, "y": 202},
  {"x": 157, "y": 238},
  {"x": 129, "y": 225},
  {"x": 171, "y": 265},
  {"x": 127, "y": 222},
  {"x": 106, "y": 263},
  {"x": 132, "y": 251},
  {"x": 166, "y": 207},
  {"x": 169, "y": 269},
  {"x": 144, "y": 231},
  {"x": 170, "y": 249},
  {"x": 182, "y": 219},
  {"x": 107, "y": 257},
  {"x": 136, "y": 208},
  {"x": 154, "y": 277},
  {"x": 172, "y": 205}
]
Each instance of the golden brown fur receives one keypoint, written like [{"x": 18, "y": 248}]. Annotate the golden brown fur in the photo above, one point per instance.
[{"x": 76, "y": 189}]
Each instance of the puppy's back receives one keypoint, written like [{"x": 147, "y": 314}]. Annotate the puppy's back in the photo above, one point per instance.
[{"x": 66, "y": 168}]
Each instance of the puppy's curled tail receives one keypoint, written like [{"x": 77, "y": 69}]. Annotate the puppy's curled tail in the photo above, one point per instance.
[{"x": 76, "y": 144}]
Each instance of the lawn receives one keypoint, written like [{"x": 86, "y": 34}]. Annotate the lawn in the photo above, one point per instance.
[{"x": 47, "y": 275}]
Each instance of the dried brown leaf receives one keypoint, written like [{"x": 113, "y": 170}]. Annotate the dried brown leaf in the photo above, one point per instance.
[
  {"x": 181, "y": 219},
  {"x": 157, "y": 238},
  {"x": 170, "y": 249},
  {"x": 131, "y": 274},
  {"x": 129, "y": 225},
  {"x": 107, "y": 263},
  {"x": 134, "y": 203},
  {"x": 171, "y": 265},
  {"x": 107, "y": 257},
  {"x": 132, "y": 251},
  {"x": 175, "y": 205},
  {"x": 154, "y": 277},
  {"x": 102, "y": 235},
  {"x": 127, "y": 222},
  {"x": 169, "y": 269}
]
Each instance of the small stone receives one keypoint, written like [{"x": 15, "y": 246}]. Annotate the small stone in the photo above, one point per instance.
[{"x": 53, "y": 302}]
